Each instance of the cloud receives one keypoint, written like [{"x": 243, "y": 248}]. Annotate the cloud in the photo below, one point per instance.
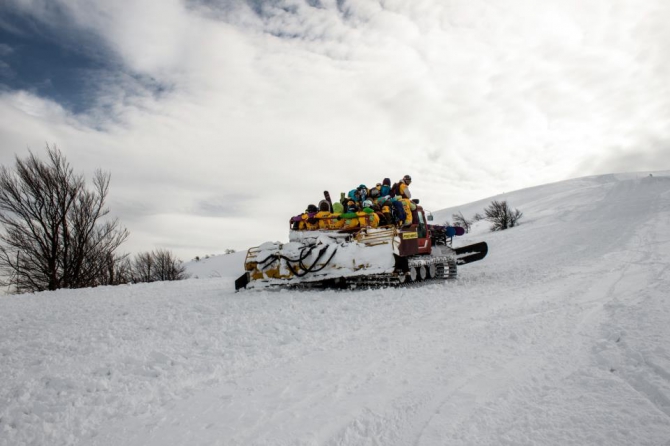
[
  {"x": 219, "y": 120},
  {"x": 650, "y": 155},
  {"x": 5, "y": 50}
]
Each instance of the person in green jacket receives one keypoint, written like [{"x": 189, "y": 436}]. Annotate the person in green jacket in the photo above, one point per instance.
[
  {"x": 335, "y": 221},
  {"x": 367, "y": 216},
  {"x": 351, "y": 216}
]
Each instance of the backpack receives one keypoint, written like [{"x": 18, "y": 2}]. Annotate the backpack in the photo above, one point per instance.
[
  {"x": 398, "y": 211},
  {"x": 395, "y": 190}
]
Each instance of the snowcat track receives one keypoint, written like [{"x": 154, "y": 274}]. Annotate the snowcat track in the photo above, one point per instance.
[{"x": 445, "y": 268}]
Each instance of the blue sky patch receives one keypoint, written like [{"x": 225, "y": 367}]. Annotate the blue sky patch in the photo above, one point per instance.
[
  {"x": 67, "y": 66},
  {"x": 57, "y": 66}
]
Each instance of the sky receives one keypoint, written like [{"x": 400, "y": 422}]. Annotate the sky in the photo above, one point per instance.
[{"x": 219, "y": 120}]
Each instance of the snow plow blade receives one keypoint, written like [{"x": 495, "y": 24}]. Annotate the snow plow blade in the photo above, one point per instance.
[
  {"x": 242, "y": 281},
  {"x": 471, "y": 253}
]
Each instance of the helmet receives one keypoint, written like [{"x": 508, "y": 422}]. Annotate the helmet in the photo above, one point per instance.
[
  {"x": 312, "y": 208},
  {"x": 367, "y": 204},
  {"x": 407, "y": 179},
  {"x": 374, "y": 192}
]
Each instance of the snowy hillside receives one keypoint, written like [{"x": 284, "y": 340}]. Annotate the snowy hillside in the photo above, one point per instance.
[
  {"x": 558, "y": 337},
  {"x": 224, "y": 265}
]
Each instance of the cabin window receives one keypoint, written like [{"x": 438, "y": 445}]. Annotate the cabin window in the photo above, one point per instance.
[{"x": 422, "y": 226}]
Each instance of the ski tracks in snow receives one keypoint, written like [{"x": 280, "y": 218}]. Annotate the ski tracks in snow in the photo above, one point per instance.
[{"x": 419, "y": 372}]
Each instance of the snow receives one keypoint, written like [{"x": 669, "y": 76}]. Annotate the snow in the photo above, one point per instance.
[
  {"x": 558, "y": 337},
  {"x": 226, "y": 265}
]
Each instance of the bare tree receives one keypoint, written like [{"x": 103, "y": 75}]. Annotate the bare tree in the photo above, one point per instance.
[
  {"x": 460, "y": 220},
  {"x": 118, "y": 271},
  {"x": 52, "y": 234},
  {"x": 143, "y": 267},
  {"x": 158, "y": 265},
  {"x": 167, "y": 266},
  {"x": 501, "y": 215}
]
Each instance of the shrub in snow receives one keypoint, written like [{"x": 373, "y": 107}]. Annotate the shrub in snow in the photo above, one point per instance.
[
  {"x": 501, "y": 215},
  {"x": 460, "y": 220}
]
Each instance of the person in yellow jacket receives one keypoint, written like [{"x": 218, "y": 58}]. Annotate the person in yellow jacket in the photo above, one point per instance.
[
  {"x": 403, "y": 187},
  {"x": 335, "y": 222},
  {"x": 384, "y": 205},
  {"x": 350, "y": 217},
  {"x": 323, "y": 216},
  {"x": 309, "y": 221},
  {"x": 407, "y": 206}
]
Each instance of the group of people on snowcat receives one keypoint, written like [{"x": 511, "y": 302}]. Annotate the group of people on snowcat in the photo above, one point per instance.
[{"x": 382, "y": 205}]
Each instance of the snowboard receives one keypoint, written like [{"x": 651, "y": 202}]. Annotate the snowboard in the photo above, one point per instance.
[
  {"x": 326, "y": 195},
  {"x": 454, "y": 230}
]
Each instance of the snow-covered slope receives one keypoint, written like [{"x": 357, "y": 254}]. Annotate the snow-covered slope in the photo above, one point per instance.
[
  {"x": 558, "y": 337},
  {"x": 224, "y": 265}
]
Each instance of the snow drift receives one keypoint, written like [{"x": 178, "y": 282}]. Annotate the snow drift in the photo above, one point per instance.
[{"x": 558, "y": 337}]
